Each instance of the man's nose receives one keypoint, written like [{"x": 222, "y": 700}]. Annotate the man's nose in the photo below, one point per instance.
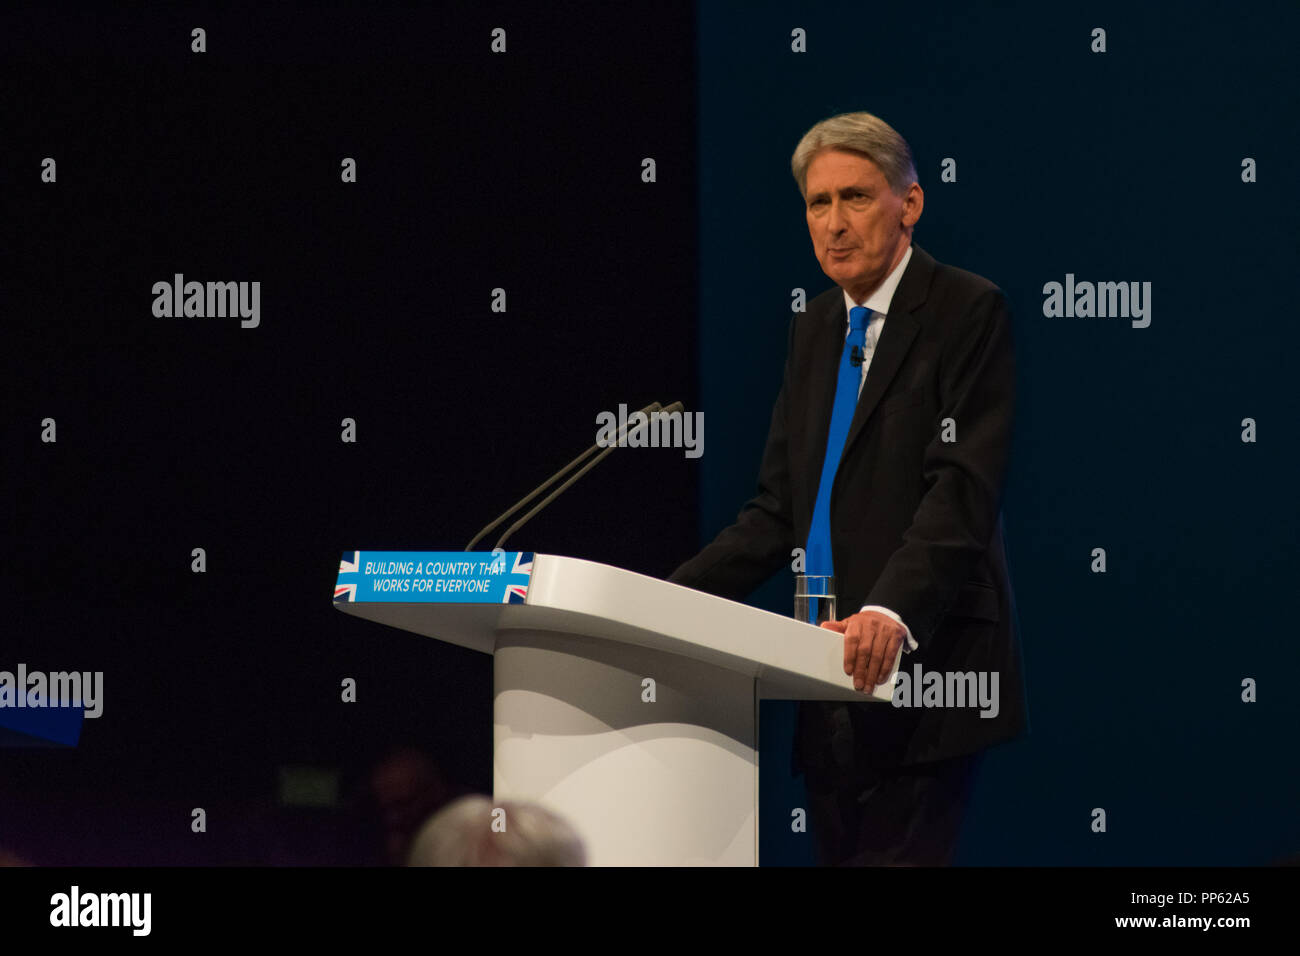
[{"x": 835, "y": 221}]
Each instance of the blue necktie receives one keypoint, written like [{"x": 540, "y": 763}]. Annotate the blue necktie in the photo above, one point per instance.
[{"x": 846, "y": 400}]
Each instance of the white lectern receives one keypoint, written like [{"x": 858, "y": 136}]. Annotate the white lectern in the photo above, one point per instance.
[{"x": 630, "y": 705}]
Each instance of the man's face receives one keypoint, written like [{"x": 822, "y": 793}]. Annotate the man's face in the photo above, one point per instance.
[{"x": 859, "y": 228}]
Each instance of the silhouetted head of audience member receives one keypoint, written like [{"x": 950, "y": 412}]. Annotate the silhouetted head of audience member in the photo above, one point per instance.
[
  {"x": 472, "y": 831},
  {"x": 407, "y": 786}
]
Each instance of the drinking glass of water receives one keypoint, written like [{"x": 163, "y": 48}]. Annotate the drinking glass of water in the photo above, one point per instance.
[{"x": 814, "y": 598}]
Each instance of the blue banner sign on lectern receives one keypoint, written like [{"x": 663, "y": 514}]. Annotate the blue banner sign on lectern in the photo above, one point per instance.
[{"x": 434, "y": 577}]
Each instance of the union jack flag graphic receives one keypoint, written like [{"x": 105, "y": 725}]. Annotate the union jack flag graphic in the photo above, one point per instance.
[
  {"x": 347, "y": 592},
  {"x": 517, "y": 579}
]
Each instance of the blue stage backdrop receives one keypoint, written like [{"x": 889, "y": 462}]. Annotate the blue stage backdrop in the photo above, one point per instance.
[{"x": 1123, "y": 165}]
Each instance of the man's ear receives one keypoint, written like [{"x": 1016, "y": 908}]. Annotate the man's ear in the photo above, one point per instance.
[{"x": 913, "y": 203}]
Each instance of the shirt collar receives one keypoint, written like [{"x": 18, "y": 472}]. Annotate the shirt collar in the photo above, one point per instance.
[{"x": 878, "y": 301}]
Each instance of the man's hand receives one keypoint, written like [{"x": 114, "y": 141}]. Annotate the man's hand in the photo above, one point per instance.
[{"x": 871, "y": 642}]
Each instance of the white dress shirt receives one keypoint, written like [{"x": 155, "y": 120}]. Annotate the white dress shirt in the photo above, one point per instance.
[{"x": 878, "y": 303}]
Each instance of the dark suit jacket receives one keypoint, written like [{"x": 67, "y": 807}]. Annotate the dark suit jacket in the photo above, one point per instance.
[{"x": 915, "y": 522}]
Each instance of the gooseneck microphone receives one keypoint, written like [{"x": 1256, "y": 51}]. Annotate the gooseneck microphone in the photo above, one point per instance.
[{"x": 647, "y": 411}]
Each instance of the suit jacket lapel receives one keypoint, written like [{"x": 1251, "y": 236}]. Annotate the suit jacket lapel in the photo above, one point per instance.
[{"x": 901, "y": 327}]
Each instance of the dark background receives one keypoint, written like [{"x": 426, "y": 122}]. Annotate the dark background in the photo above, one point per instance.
[
  {"x": 522, "y": 171},
  {"x": 475, "y": 171}
]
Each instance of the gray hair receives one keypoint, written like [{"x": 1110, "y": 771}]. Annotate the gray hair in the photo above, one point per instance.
[
  {"x": 462, "y": 834},
  {"x": 858, "y": 133}
]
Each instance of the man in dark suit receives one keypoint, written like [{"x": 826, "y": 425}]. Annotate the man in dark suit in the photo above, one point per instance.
[{"x": 909, "y": 518}]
